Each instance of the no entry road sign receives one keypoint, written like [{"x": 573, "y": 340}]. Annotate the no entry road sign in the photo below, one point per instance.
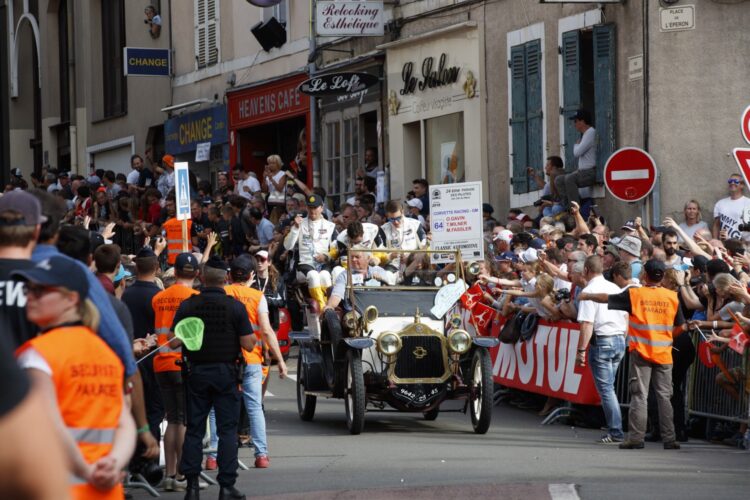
[
  {"x": 745, "y": 124},
  {"x": 630, "y": 174}
]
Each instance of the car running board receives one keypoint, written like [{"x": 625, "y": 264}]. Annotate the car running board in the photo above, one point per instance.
[{"x": 322, "y": 394}]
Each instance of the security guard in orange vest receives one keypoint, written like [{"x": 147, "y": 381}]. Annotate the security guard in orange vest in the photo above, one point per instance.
[
  {"x": 82, "y": 375},
  {"x": 168, "y": 372},
  {"x": 173, "y": 229},
  {"x": 655, "y": 318}
]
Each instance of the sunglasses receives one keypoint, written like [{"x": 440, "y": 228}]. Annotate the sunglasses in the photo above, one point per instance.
[
  {"x": 261, "y": 259},
  {"x": 733, "y": 181},
  {"x": 38, "y": 291},
  {"x": 393, "y": 219}
]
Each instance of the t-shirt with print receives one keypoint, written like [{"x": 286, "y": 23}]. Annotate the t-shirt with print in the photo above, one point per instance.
[
  {"x": 731, "y": 214},
  {"x": 13, "y": 322}
]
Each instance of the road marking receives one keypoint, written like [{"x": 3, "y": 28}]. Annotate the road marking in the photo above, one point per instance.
[
  {"x": 291, "y": 376},
  {"x": 563, "y": 492},
  {"x": 270, "y": 394},
  {"x": 627, "y": 175}
]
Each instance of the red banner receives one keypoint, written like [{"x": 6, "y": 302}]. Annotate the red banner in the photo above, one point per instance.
[{"x": 546, "y": 364}]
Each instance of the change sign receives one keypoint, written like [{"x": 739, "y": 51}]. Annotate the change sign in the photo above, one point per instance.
[
  {"x": 146, "y": 62},
  {"x": 456, "y": 221}
]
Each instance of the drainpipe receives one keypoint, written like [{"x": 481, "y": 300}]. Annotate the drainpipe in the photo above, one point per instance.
[
  {"x": 73, "y": 91},
  {"x": 656, "y": 193},
  {"x": 311, "y": 69}
]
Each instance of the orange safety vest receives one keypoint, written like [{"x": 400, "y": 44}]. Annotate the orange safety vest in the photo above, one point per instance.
[
  {"x": 88, "y": 379},
  {"x": 653, "y": 310},
  {"x": 251, "y": 298},
  {"x": 173, "y": 227},
  {"x": 165, "y": 304}
]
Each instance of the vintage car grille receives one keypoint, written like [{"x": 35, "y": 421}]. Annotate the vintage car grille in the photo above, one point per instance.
[{"x": 421, "y": 357}]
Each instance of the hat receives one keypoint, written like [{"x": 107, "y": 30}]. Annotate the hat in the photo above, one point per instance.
[
  {"x": 58, "y": 271},
  {"x": 654, "y": 269},
  {"x": 538, "y": 244},
  {"x": 629, "y": 226},
  {"x": 63, "y": 174},
  {"x": 24, "y": 203},
  {"x": 582, "y": 114},
  {"x": 262, "y": 254},
  {"x": 415, "y": 202},
  {"x": 487, "y": 208},
  {"x": 522, "y": 217},
  {"x": 168, "y": 160},
  {"x": 631, "y": 245},
  {"x": 216, "y": 263},
  {"x": 96, "y": 240},
  {"x": 504, "y": 235},
  {"x": 186, "y": 262},
  {"x": 529, "y": 255},
  {"x": 17, "y": 172},
  {"x": 314, "y": 201},
  {"x": 101, "y": 189},
  {"x": 145, "y": 252},
  {"x": 611, "y": 249},
  {"x": 243, "y": 263},
  {"x": 507, "y": 256},
  {"x": 700, "y": 262},
  {"x": 121, "y": 273},
  {"x": 299, "y": 197}
]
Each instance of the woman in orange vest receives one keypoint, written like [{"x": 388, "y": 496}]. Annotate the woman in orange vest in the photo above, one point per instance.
[{"x": 80, "y": 375}]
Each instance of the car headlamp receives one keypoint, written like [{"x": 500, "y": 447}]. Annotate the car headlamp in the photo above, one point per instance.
[
  {"x": 350, "y": 320},
  {"x": 389, "y": 343},
  {"x": 459, "y": 341}
]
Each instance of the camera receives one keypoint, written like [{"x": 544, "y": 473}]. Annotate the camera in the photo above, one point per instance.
[
  {"x": 146, "y": 21},
  {"x": 744, "y": 227},
  {"x": 697, "y": 281},
  {"x": 562, "y": 295}
]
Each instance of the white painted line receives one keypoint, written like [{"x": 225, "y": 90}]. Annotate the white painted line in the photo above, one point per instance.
[
  {"x": 563, "y": 492},
  {"x": 270, "y": 394},
  {"x": 291, "y": 376},
  {"x": 627, "y": 175}
]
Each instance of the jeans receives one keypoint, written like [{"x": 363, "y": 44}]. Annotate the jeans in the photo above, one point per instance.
[
  {"x": 213, "y": 438},
  {"x": 568, "y": 184},
  {"x": 604, "y": 357},
  {"x": 252, "y": 393}
]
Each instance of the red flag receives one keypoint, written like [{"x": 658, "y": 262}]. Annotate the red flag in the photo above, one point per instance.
[
  {"x": 739, "y": 339},
  {"x": 483, "y": 315},
  {"x": 472, "y": 296}
]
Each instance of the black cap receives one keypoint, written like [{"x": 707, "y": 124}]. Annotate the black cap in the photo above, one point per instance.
[
  {"x": 57, "y": 271},
  {"x": 144, "y": 253},
  {"x": 96, "y": 240},
  {"x": 186, "y": 262},
  {"x": 582, "y": 114},
  {"x": 487, "y": 208},
  {"x": 242, "y": 263},
  {"x": 314, "y": 201},
  {"x": 217, "y": 263},
  {"x": 700, "y": 262},
  {"x": 655, "y": 270}
]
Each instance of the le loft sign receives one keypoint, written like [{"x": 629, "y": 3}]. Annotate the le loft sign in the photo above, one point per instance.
[
  {"x": 349, "y": 18},
  {"x": 431, "y": 77}
]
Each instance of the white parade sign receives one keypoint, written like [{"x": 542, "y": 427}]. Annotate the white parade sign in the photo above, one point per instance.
[
  {"x": 182, "y": 190},
  {"x": 456, "y": 221}
]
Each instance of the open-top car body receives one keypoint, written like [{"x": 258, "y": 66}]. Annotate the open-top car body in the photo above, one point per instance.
[{"x": 399, "y": 348}]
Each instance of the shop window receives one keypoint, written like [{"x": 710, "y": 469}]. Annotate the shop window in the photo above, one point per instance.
[
  {"x": 444, "y": 149},
  {"x": 206, "y": 32},
  {"x": 342, "y": 158},
  {"x": 113, "y": 42},
  {"x": 279, "y": 11},
  {"x": 526, "y": 121},
  {"x": 588, "y": 61}
]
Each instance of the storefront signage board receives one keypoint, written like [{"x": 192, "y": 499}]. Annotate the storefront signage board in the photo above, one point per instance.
[
  {"x": 433, "y": 74},
  {"x": 182, "y": 190},
  {"x": 145, "y": 62},
  {"x": 183, "y": 133},
  {"x": 349, "y": 18},
  {"x": 677, "y": 18},
  {"x": 338, "y": 84},
  {"x": 456, "y": 221},
  {"x": 272, "y": 102}
]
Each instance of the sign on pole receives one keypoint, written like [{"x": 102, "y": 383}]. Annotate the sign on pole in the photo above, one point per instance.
[
  {"x": 146, "y": 62},
  {"x": 745, "y": 124},
  {"x": 630, "y": 174},
  {"x": 349, "y": 18},
  {"x": 456, "y": 220},
  {"x": 182, "y": 190}
]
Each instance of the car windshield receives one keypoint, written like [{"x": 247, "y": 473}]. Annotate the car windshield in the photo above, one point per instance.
[{"x": 387, "y": 269}]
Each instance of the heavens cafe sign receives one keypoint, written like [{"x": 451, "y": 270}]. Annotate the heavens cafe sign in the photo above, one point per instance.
[{"x": 349, "y": 18}]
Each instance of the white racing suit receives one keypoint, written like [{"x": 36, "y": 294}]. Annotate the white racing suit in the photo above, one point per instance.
[
  {"x": 313, "y": 238},
  {"x": 410, "y": 236}
]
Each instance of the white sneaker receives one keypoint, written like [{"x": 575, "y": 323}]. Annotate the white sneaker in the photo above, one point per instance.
[
  {"x": 202, "y": 485},
  {"x": 168, "y": 484},
  {"x": 179, "y": 484}
]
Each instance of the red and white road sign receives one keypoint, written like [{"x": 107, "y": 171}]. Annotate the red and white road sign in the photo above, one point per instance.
[
  {"x": 630, "y": 174},
  {"x": 742, "y": 155},
  {"x": 745, "y": 124}
]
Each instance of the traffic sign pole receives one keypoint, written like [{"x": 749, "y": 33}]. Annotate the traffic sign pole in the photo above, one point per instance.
[{"x": 182, "y": 198}]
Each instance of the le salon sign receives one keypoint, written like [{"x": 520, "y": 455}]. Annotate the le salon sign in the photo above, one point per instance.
[{"x": 349, "y": 18}]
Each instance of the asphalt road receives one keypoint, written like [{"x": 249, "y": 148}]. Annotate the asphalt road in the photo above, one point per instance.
[{"x": 403, "y": 456}]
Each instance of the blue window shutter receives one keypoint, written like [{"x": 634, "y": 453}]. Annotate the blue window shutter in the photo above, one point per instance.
[
  {"x": 571, "y": 60},
  {"x": 518, "y": 118},
  {"x": 604, "y": 94},
  {"x": 534, "y": 112}
]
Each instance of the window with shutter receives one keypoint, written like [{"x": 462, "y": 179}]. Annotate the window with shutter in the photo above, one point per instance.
[
  {"x": 518, "y": 118},
  {"x": 534, "y": 112},
  {"x": 571, "y": 60},
  {"x": 604, "y": 94},
  {"x": 206, "y": 32}
]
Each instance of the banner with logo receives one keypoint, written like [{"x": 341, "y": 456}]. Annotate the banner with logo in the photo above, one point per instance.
[{"x": 546, "y": 364}]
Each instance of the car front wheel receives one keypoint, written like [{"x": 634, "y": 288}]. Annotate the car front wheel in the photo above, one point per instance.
[
  {"x": 305, "y": 403},
  {"x": 481, "y": 391},
  {"x": 354, "y": 399}
]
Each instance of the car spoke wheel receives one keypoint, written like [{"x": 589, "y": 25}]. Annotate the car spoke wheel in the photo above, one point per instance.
[
  {"x": 432, "y": 414},
  {"x": 354, "y": 399},
  {"x": 481, "y": 391},
  {"x": 305, "y": 403},
  {"x": 331, "y": 333}
]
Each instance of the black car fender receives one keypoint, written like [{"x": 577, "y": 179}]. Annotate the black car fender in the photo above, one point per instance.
[
  {"x": 360, "y": 343},
  {"x": 486, "y": 342}
]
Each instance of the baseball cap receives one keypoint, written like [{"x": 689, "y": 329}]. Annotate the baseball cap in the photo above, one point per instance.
[
  {"x": 654, "y": 269},
  {"x": 538, "y": 244},
  {"x": 415, "y": 202},
  {"x": 262, "y": 253},
  {"x": 629, "y": 226},
  {"x": 505, "y": 235},
  {"x": 17, "y": 172},
  {"x": 121, "y": 274},
  {"x": 631, "y": 245},
  {"x": 611, "y": 249},
  {"x": 529, "y": 255},
  {"x": 63, "y": 174},
  {"x": 582, "y": 114},
  {"x": 168, "y": 160},
  {"x": 57, "y": 271},
  {"x": 299, "y": 197},
  {"x": 242, "y": 262},
  {"x": 186, "y": 262},
  {"x": 216, "y": 263},
  {"x": 507, "y": 256},
  {"x": 24, "y": 203},
  {"x": 314, "y": 201},
  {"x": 700, "y": 262},
  {"x": 487, "y": 208}
]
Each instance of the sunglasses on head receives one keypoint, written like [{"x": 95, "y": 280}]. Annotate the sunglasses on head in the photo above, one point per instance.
[{"x": 733, "y": 181}]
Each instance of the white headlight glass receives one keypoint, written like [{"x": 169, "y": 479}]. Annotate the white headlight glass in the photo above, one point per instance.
[
  {"x": 389, "y": 344},
  {"x": 459, "y": 341}
]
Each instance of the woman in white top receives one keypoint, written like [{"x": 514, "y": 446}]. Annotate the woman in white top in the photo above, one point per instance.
[
  {"x": 275, "y": 186},
  {"x": 693, "y": 220}
]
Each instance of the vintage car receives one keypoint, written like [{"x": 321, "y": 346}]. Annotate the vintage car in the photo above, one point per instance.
[{"x": 396, "y": 347}]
